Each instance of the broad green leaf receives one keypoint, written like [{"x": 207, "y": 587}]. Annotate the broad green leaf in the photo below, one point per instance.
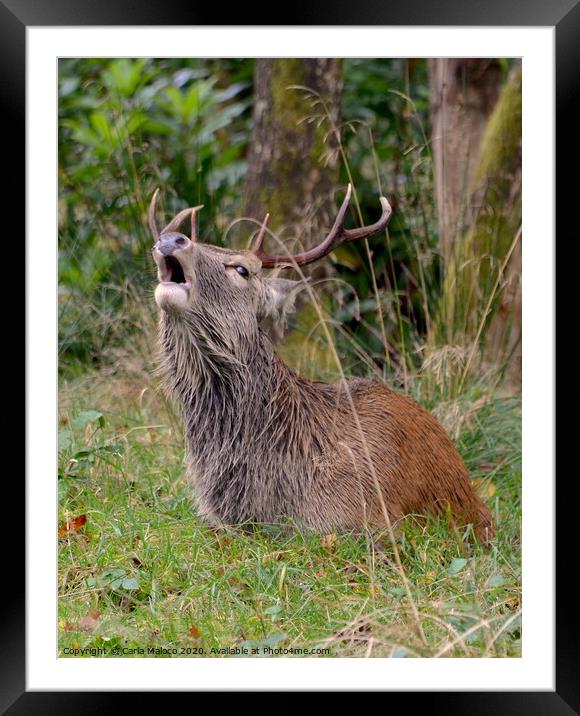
[
  {"x": 64, "y": 440},
  {"x": 276, "y": 609},
  {"x": 63, "y": 488},
  {"x": 274, "y": 639},
  {"x": 135, "y": 122},
  {"x": 86, "y": 417},
  {"x": 130, "y": 583},
  {"x": 497, "y": 580},
  {"x": 124, "y": 75},
  {"x": 397, "y": 592},
  {"x": 345, "y": 256},
  {"x": 68, "y": 86},
  {"x": 157, "y": 128},
  {"x": 456, "y": 565},
  {"x": 102, "y": 126}
]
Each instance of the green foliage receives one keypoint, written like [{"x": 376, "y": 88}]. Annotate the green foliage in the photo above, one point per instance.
[
  {"x": 385, "y": 119},
  {"x": 126, "y": 127}
]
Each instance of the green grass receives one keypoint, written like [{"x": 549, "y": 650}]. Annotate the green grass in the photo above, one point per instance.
[{"x": 144, "y": 573}]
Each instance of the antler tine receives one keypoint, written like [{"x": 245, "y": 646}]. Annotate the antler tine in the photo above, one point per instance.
[
  {"x": 365, "y": 231},
  {"x": 338, "y": 235},
  {"x": 315, "y": 253},
  {"x": 151, "y": 215},
  {"x": 178, "y": 219},
  {"x": 194, "y": 211},
  {"x": 260, "y": 240}
]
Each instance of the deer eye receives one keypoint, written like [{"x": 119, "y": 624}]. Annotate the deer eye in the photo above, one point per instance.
[{"x": 243, "y": 271}]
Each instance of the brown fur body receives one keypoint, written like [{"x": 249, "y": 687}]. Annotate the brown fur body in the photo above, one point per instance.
[{"x": 279, "y": 446}]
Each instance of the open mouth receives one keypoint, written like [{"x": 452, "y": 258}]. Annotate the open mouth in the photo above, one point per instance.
[{"x": 172, "y": 272}]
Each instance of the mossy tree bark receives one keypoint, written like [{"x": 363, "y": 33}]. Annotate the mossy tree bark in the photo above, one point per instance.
[
  {"x": 293, "y": 173},
  {"x": 293, "y": 162},
  {"x": 481, "y": 302},
  {"x": 496, "y": 233},
  {"x": 463, "y": 93}
]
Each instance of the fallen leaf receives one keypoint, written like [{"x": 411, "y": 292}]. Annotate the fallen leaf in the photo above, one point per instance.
[
  {"x": 73, "y": 525},
  {"x": 88, "y": 623},
  {"x": 513, "y": 603},
  {"x": 277, "y": 555},
  {"x": 354, "y": 632},
  {"x": 484, "y": 487}
]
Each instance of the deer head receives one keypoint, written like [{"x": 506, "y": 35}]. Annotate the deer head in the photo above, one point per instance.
[{"x": 228, "y": 287}]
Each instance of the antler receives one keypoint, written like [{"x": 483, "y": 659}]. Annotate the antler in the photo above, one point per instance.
[
  {"x": 175, "y": 223},
  {"x": 151, "y": 216},
  {"x": 338, "y": 235}
]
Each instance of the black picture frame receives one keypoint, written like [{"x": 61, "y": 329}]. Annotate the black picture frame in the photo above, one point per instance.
[{"x": 564, "y": 16}]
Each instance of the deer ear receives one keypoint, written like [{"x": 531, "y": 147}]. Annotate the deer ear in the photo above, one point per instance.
[{"x": 278, "y": 297}]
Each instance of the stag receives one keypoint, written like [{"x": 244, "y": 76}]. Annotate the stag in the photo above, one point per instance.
[{"x": 264, "y": 444}]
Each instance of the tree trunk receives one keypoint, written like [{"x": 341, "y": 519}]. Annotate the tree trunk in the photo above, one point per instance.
[
  {"x": 293, "y": 173},
  {"x": 480, "y": 306},
  {"x": 497, "y": 184},
  {"x": 293, "y": 162},
  {"x": 463, "y": 93}
]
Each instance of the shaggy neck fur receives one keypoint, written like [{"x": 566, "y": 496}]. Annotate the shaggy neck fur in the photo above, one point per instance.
[{"x": 253, "y": 426}]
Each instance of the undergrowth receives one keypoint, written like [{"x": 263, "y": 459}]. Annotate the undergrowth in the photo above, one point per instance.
[{"x": 138, "y": 571}]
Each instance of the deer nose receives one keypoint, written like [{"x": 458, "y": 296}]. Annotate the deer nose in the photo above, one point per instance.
[{"x": 171, "y": 242}]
